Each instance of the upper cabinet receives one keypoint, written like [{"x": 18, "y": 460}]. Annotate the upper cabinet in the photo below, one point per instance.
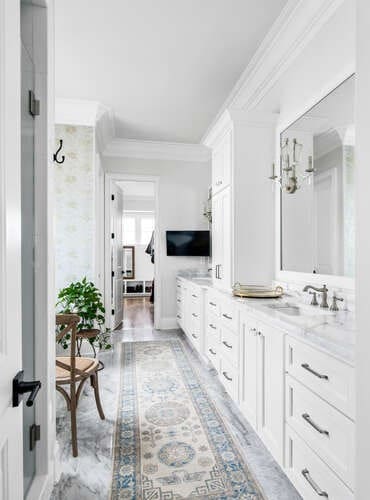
[
  {"x": 221, "y": 163},
  {"x": 242, "y": 201}
]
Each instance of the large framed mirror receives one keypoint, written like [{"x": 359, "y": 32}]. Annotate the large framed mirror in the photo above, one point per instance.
[
  {"x": 317, "y": 168},
  {"x": 128, "y": 262}
]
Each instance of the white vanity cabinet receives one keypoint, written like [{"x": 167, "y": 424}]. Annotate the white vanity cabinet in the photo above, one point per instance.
[
  {"x": 297, "y": 397},
  {"x": 221, "y": 239},
  {"x": 320, "y": 430},
  {"x": 190, "y": 311},
  {"x": 262, "y": 375}
]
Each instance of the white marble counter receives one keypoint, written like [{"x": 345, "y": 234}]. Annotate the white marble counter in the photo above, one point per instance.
[{"x": 332, "y": 332}]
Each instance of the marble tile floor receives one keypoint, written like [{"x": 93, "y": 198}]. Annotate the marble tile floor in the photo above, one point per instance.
[{"x": 89, "y": 475}]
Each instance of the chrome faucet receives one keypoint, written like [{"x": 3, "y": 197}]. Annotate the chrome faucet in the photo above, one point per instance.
[{"x": 324, "y": 294}]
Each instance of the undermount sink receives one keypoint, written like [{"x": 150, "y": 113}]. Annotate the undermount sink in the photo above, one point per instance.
[{"x": 298, "y": 310}]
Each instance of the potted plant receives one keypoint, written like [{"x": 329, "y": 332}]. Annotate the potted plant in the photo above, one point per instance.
[{"x": 83, "y": 298}]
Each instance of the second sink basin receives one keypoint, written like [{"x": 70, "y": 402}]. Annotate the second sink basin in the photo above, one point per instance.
[{"x": 298, "y": 310}]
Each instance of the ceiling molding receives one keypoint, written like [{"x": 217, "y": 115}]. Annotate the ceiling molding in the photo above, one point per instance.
[
  {"x": 295, "y": 27},
  {"x": 232, "y": 118},
  {"x": 76, "y": 112},
  {"x": 157, "y": 150}
]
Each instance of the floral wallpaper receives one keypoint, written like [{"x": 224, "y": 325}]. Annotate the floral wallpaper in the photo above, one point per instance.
[{"x": 74, "y": 200}]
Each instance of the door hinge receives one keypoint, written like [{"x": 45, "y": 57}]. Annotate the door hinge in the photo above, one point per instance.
[
  {"x": 112, "y": 197},
  {"x": 112, "y": 236},
  {"x": 33, "y": 104},
  {"x": 112, "y": 274},
  {"x": 113, "y": 311},
  {"x": 35, "y": 434}
]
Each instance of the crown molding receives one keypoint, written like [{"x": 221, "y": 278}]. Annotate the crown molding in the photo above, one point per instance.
[
  {"x": 233, "y": 118},
  {"x": 157, "y": 150},
  {"x": 90, "y": 114},
  {"x": 297, "y": 24},
  {"x": 76, "y": 112}
]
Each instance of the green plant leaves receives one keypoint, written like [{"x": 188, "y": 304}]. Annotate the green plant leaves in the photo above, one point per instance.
[{"x": 83, "y": 298}]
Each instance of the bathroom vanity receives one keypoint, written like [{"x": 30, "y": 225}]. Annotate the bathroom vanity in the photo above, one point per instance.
[{"x": 289, "y": 367}]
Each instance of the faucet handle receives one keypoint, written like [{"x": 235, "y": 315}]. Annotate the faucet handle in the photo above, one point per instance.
[
  {"x": 314, "y": 299},
  {"x": 334, "y": 306}
]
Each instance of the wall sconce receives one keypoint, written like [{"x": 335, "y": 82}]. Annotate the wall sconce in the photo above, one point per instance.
[{"x": 291, "y": 158}]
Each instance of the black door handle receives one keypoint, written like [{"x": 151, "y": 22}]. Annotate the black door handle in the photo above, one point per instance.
[{"x": 20, "y": 387}]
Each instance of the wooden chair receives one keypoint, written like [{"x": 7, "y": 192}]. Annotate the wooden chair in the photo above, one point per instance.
[{"x": 74, "y": 371}]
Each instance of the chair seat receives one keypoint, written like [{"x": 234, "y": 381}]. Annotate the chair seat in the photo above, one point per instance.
[{"x": 85, "y": 365}]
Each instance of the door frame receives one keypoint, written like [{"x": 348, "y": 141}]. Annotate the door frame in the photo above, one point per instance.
[
  {"x": 10, "y": 83},
  {"x": 109, "y": 178}
]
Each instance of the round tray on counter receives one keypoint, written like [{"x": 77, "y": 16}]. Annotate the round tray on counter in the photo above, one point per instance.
[{"x": 257, "y": 292}]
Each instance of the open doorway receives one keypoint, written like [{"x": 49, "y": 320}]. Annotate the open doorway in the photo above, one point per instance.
[
  {"x": 139, "y": 291},
  {"x": 138, "y": 225}
]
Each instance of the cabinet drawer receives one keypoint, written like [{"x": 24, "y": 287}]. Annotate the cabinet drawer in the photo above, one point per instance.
[
  {"x": 195, "y": 334},
  {"x": 229, "y": 315},
  {"x": 212, "y": 352},
  {"x": 229, "y": 378},
  {"x": 324, "y": 428},
  {"x": 326, "y": 376},
  {"x": 309, "y": 474},
  {"x": 213, "y": 302},
  {"x": 230, "y": 346},
  {"x": 213, "y": 327}
]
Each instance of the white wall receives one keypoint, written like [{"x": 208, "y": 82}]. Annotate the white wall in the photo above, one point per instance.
[
  {"x": 183, "y": 188},
  {"x": 362, "y": 252}
]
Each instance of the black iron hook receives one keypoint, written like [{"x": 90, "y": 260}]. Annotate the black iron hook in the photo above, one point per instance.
[{"x": 57, "y": 152}]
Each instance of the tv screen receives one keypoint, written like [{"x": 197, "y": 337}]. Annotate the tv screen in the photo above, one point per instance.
[{"x": 189, "y": 243}]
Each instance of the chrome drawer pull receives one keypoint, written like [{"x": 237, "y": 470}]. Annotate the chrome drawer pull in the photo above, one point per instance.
[
  {"x": 307, "y": 418},
  {"x": 195, "y": 296},
  {"x": 227, "y": 345},
  {"x": 311, "y": 482},
  {"x": 195, "y": 315},
  {"x": 226, "y": 316},
  {"x": 178, "y": 300},
  {"x": 212, "y": 304},
  {"x": 307, "y": 367},
  {"x": 225, "y": 375},
  {"x": 178, "y": 316},
  {"x": 212, "y": 352},
  {"x": 212, "y": 326},
  {"x": 194, "y": 336}
]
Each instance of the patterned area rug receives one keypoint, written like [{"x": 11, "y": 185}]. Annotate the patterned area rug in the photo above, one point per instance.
[{"x": 170, "y": 441}]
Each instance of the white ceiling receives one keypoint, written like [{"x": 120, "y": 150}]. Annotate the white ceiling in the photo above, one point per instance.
[{"x": 165, "y": 67}]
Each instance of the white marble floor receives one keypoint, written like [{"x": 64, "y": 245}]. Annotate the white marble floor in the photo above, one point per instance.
[{"x": 89, "y": 475}]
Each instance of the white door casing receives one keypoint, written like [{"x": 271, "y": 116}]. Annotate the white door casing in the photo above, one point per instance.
[
  {"x": 11, "y": 454},
  {"x": 116, "y": 255}
]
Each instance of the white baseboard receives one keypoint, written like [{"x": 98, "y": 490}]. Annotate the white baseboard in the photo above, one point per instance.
[{"x": 168, "y": 324}]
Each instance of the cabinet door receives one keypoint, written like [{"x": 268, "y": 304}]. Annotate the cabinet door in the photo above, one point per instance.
[
  {"x": 271, "y": 390},
  {"x": 221, "y": 239},
  {"x": 221, "y": 163},
  {"x": 249, "y": 366}
]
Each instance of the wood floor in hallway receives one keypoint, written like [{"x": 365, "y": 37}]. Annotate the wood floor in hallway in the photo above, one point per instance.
[{"x": 138, "y": 312}]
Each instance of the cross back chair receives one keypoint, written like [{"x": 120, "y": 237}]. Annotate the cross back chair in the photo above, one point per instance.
[{"x": 74, "y": 371}]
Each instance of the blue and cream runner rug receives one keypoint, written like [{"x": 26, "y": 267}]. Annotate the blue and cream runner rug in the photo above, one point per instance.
[{"x": 171, "y": 443}]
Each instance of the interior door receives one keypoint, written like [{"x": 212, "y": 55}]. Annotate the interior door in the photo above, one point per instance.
[
  {"x": 11, "y": 457},
  {"x": 117, "y": 256},
  {"x": 28, "y": 252}
]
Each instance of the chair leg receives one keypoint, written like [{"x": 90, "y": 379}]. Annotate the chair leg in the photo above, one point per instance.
[
  {"x": 74, "y": 426},
  {"x": 95, "y": 384}
]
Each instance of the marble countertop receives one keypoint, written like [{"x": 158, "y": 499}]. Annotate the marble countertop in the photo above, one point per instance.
[{"x": 332, "y": 332}]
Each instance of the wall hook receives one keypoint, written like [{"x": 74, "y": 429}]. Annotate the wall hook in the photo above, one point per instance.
[{"x": 57, "y": 152}]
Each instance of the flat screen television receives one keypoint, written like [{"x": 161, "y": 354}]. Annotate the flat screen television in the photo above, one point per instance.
[{"x": 188, "y": 243}]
